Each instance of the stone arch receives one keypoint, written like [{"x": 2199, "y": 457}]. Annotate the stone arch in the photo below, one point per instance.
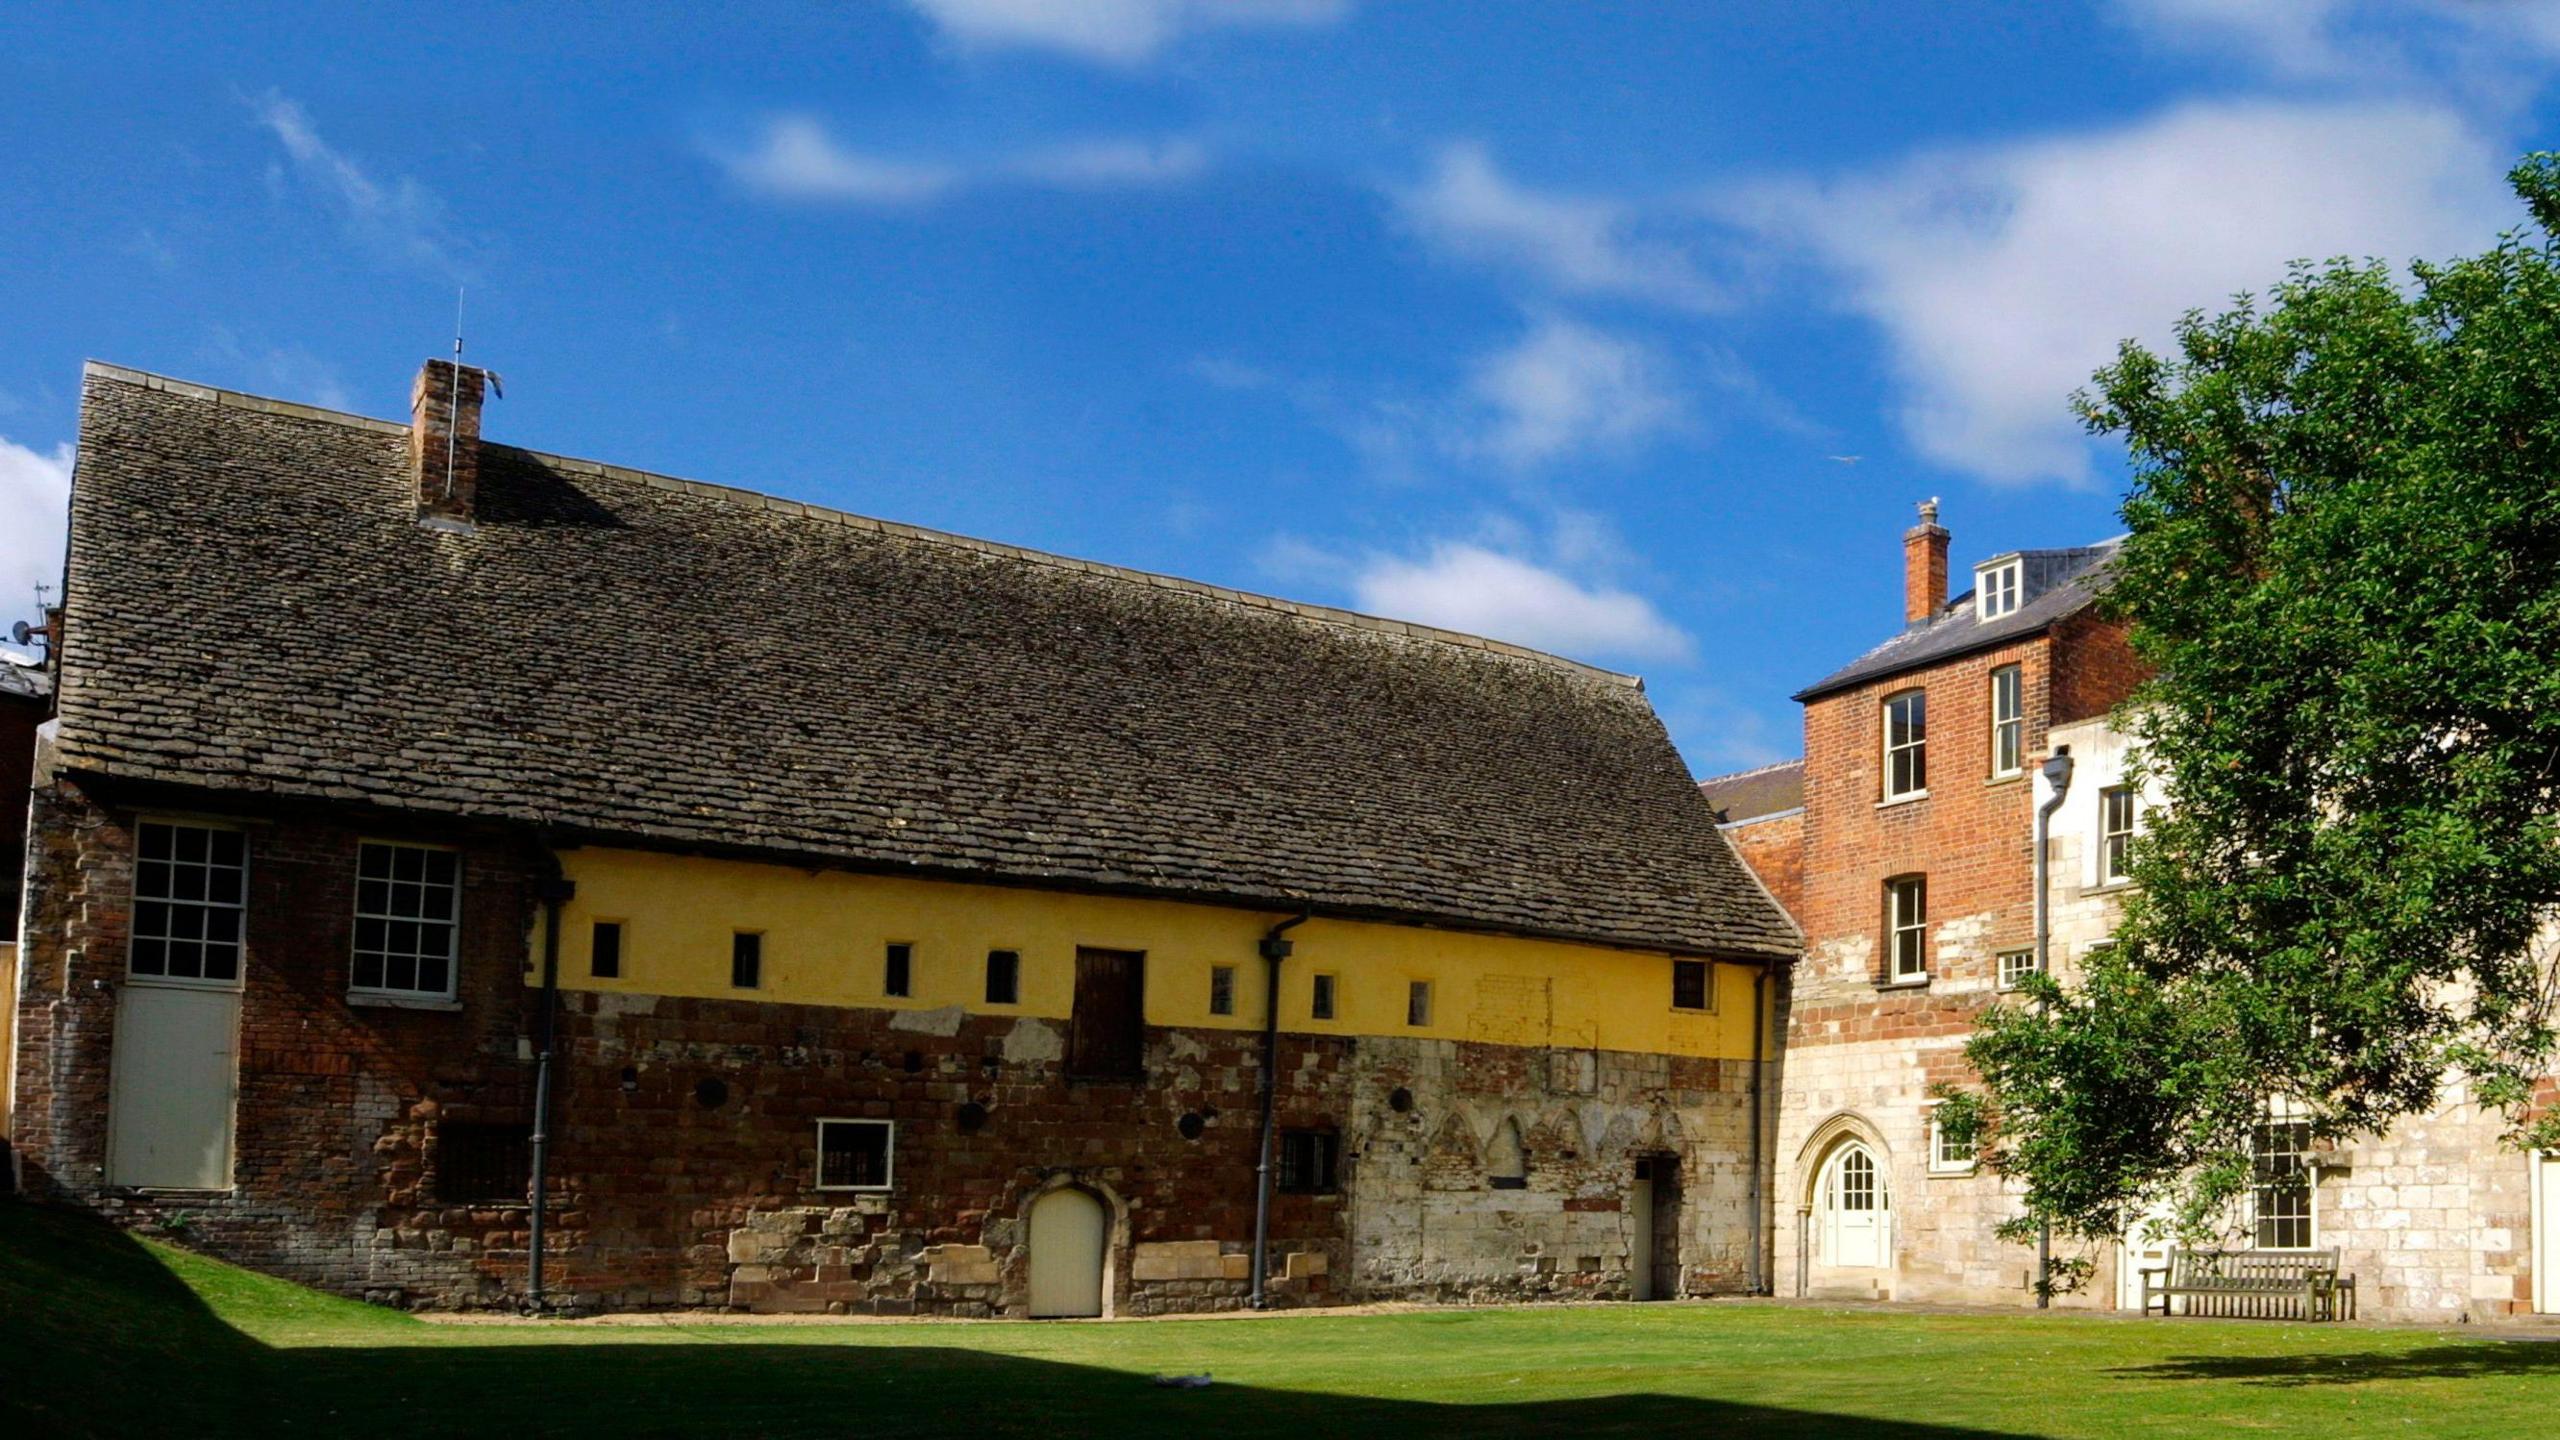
[
  {"x": 1506, "y": 1158},
  {"x": 1826, "y": 1137},
  {"x": 1016, "y": 1293}
]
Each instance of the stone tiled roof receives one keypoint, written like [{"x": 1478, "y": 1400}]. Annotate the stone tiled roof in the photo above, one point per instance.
[
  {"x": 2059, "y": 584},
  {"x": 624, "y": 657},
  {"x": 1755, "y": 793}
]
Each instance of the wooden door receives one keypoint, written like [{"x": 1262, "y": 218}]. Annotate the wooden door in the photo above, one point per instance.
[
  {"x": 1068, "y": 1231},
  {"x": 1855, "y": 1210},
  {"x": 1666, "y": 1228},
  {"x": 172, "y": 1087},
  {"x": 1106, "y": 1035},
  {"x": 1640, "y": 1233}
]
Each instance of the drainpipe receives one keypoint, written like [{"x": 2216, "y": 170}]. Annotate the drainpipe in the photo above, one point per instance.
[
  {"x": 554, "y": 892},
  {"x": 1274, "y": 950},
  {"x": 2057, "y": 779},
  {"x": 1756, "y": 1274}
]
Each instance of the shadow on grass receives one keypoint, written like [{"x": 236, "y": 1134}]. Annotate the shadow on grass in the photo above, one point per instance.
[{"x": 2489, "y": 1358}]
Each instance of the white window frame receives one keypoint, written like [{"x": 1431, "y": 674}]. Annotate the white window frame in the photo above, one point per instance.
[
  {"x": 1917, "y": 747},
  {"x": 1897, "y": 925},
  {"x": 2012, "y": 725},
  {"x": 238, "y": 909},
  {"x": 395, "y": 995},
  {"x": 888, "y": 1156},
  {"x": 2011, "y": 976},
  {"x": 1939, "y": 1164},
  {"x": 2115, "y": 847},
  {"x": 2284, "y": 1110},
  {"x": 1998, "y": 589},
  {"x": 1222, "y": 974}
]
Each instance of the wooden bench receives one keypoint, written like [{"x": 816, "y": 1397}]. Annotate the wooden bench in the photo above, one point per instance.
[{"x": 2252, "y": 1284}]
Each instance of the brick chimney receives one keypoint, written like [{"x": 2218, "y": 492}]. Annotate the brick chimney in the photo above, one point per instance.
[
  {"x": 444, "y": 439},
  {"x": 1924, "y": 566}
]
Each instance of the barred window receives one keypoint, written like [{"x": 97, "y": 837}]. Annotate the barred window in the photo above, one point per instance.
[
  {"x": 1222, "y": 989},
  {"x": 479, "y": 1164},
  {"x": 1309, "y": 1160},
  {"x": 855, "y": 1154},
  {"x": 190, "y": 887},
  {"x": 408, "y": 907}
]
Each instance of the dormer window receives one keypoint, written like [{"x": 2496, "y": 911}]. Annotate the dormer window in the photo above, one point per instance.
[{"x": 1996, "y": 588}]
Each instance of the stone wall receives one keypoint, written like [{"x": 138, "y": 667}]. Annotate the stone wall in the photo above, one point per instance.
[{"x": 684, "y": 1129}]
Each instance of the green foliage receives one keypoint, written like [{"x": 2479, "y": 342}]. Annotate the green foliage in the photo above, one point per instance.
[{"x": 2344, "y": 561}]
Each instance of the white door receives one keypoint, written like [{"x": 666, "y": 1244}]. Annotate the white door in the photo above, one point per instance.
[
  {"x": 1067, "y": 1232},
  {"x": 2145, "y": 1247},
  {"x": 1855, "y": 1210},
  {"x": 2546, "y": 1233},
  {"x": 1640, "y": 1233},
  {"x": 173, "y": 1083}
]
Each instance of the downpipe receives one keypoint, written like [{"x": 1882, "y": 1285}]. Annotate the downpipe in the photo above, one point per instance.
[
  {"x": 2057, "y": 775},
  {"x": 1274, "y": 949},
  {"x": 555, "y": 891}
]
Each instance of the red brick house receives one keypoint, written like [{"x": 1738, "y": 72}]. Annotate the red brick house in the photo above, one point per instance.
[{"x": 847, "y": 916}]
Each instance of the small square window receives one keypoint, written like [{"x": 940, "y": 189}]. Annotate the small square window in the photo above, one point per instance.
[
  {"x": 1309, "y": 1162},
  {"x": 604, "y": 950},
  {"x": 897, "y": 972},
  {"x": 1945, "y": 1156},
  {"x": 481, "y": 1164},
  {"x": 1222, "y": 989},
  {"x": 1688, "y": 984},
  {"x": 1004, "y": 977},
  {"x": 746, "y": 960},
  {"x": 1320, "y": 999},
  {"x": 1417, "y": 1004},
  {"x": 855, "y": 1154},
  {"x": 2015, "y": 967}
]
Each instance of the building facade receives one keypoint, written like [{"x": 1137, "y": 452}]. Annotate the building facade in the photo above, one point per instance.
[{"x": 839, "y": 916}]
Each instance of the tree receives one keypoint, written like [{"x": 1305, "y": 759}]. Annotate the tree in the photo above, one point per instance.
[{"x": 2344, "y": 562}]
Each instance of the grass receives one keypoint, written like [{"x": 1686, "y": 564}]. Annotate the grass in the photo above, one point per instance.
[{"x": 103, "y": 1335}]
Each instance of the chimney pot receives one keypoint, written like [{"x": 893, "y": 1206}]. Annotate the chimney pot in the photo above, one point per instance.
[
  {"x": 1924, "y": 566},
  {"x": 444, "y": 440}
]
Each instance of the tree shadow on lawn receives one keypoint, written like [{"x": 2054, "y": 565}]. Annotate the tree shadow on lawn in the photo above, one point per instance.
[{"x": 2490, "y": 1357}]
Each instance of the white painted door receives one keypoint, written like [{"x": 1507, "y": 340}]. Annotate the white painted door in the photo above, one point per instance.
[
  {"x": 2546, "y": 1233},
  {"x": 2145, "y": 1247},
  {"x": 1855, "y": 1210},
  {"x": 1068, "y": 1229},
  {"x": 173, "y": 1084},
  {"x": 1640, "y": 1233}
]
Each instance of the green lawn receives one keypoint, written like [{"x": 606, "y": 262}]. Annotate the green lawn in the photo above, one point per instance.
[{"x": 102, "y": 1335}]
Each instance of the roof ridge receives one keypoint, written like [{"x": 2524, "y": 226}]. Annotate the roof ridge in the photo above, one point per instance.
[
  {"x": 734, "y": 494},
  {"x": 1795, "y": 764}
]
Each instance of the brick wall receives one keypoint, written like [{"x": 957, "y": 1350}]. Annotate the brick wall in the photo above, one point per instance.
[
  {"x": 1774, "y": 849},
  {"x": 685, "y": 1129}
]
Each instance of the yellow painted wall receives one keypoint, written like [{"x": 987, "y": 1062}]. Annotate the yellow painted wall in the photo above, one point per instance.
[{"x": 826, "y": 933}]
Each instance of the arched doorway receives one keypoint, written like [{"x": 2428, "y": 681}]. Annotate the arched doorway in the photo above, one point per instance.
[
  {"x": 1068, "y": 1234},
  {"x": 1853, "y": 1210}
]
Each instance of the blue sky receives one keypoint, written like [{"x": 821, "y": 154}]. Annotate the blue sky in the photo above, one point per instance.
[{"x": 1628, "y": 331}]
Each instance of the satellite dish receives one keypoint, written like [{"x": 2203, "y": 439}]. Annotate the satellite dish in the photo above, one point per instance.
[{"x": 19, "y": 632}]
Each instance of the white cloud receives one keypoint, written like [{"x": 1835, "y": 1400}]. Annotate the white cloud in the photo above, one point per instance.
[
  {"x": 2002, "y": 277},
  {"x": 1467, "y": 587},
  {"x": 1113, "y": 32},
  {"x": 2481, "y": 52},
  {"x": 1568, "y": 387},
  {"x": 35, "y": 488},
  {"x": 400, "y": 218},
  {"x": 794, "y": 157},
  {"x": 1579, "y": 244}
]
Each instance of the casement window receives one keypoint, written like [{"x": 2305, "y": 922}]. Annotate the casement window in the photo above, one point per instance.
[
  {"x": 746, "y": 960},
  {"x": 604, "y": 950},
  {"x": 1906, "y": 915},
  {"x": 190, "y": 891},
  {"x": 2015, "y": 967},
  {"x": 1310, "y": 1162},
  {"x": 856, "y": 1154},
  {"x": 1906, "y": 745},
  {"x": 1320, "y": 998},
  {"x": 1689, "y": 985},
  {"x": 898, "y": 971},
  {"x": 2281, "y": 1192},
  {"x": 408, "y": 920},
  {"x": 483, "y": 1164},
  {"x": 1417, "y": 1004},
  {"x": 1945, "y": 1156},
  {"x": 1107, "y": 1028},
  {"x": 1222, "y": 989},
  {"x": 2008, "y": 723},
  {"x": 1004, "y": 977},
  {"x": 2115, "y": 833},
  {"x": 1997, "y": 589}
]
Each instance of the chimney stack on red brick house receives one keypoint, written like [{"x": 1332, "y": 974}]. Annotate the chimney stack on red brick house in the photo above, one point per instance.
[
  {"x": 444, "y": 439},
  {"x": 1924, "y": 566}
]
